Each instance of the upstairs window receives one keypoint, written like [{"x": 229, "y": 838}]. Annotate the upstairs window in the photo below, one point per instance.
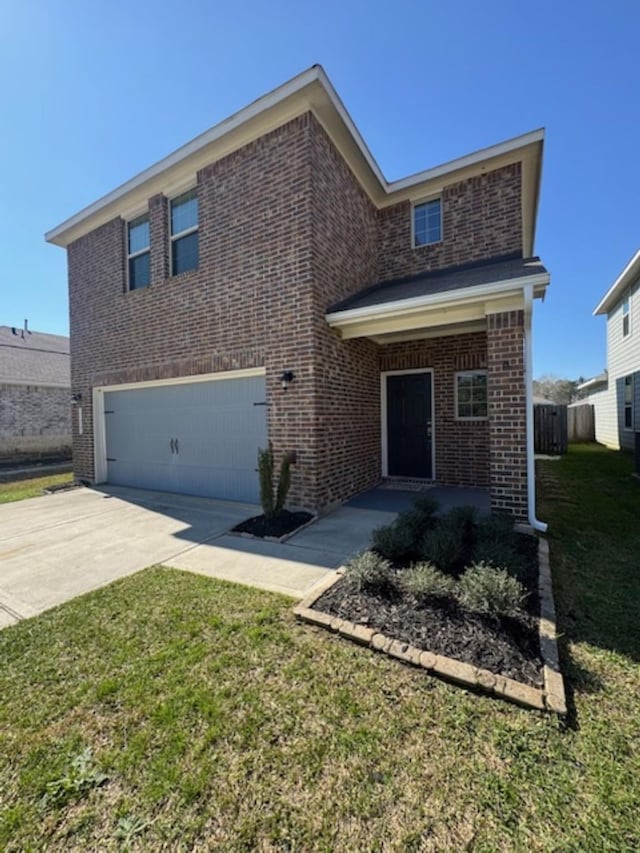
[
  {"x": 626, "y": 328},
  {"x": 471, "y": 395},
  {"x": 138, "y": 254},
  {"x": 628, "y": 402},
  {"x": 427, "y": 222},
  {"x": 184, "y": 233}
]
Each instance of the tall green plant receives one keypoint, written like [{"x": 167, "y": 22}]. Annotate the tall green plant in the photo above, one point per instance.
[
  {"x": 273, "y": 500},
  {"x": 265, "y": 475}
]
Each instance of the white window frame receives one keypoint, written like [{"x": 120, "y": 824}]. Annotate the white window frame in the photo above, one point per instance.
[
  {"x": 416, "y": 204},
  {"x": 186, "y": 231},
  {"x": 626, "y": 315},
  {"x": 466, "y": 418},
  {"x": 130, "y": 255},
  {"x": 630, "y": 404}
]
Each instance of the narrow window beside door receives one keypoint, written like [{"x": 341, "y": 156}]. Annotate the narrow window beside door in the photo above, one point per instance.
[{"x": 471, "y": 395}]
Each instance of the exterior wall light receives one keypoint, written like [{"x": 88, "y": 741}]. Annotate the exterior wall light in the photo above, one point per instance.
[
  {"x": 76, "y": 398},
  {"x": 287, "y": 378}
]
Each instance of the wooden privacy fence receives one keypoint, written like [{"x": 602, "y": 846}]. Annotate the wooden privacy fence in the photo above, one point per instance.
[
  {"x": 581, "y": 423},
  {"x": 550, "y": 429}
]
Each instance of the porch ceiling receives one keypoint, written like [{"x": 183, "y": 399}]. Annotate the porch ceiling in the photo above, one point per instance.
[{"x": 448, "y": 302}]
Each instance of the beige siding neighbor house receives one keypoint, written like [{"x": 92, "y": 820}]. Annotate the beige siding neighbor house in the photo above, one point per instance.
[{"x": 615, "y": 394}]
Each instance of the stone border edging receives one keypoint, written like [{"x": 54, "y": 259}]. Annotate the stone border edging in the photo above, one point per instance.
[{"x": 550, "y": 698}]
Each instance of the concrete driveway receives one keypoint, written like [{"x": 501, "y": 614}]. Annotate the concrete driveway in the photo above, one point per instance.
[{"x": 56, "y": 547}]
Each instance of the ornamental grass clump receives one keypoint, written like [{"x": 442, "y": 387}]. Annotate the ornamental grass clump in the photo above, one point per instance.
[
  {"x": 490, "y": 591},
  {"x": 395, "y": 542},
  {"x": 370, "y": 572},
  {"x": 424, "y": 582},
  {"x": 444, "y": 546}
]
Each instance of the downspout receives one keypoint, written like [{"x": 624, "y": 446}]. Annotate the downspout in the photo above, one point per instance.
[{"x": 528, "y": 378}]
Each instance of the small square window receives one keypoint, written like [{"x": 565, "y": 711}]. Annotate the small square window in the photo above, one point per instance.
[
  {"x": 138, "y": 253},
  {"x": 184, "y": 233},
  {"x": 471, "y": 395},
  {"x": 427, "y": 222}
]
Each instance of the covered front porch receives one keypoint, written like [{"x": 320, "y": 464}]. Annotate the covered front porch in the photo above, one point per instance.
[
  {"x": 453, "y": 381},
  {"x": 384, "y": 499}
]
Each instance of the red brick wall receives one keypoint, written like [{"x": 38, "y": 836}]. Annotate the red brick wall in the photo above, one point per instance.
[
  {"x": 481, "y": 218},
  {"x": 346, "y": 381},
  {"x": 507, "y": 412},
  {"x": 249, "y": 303},
  {"x": 285, "y": 231},
  {"x": 461, "y": 447}
]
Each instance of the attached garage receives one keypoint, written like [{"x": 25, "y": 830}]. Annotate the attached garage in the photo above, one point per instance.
[{"x": 197, "y": 436}]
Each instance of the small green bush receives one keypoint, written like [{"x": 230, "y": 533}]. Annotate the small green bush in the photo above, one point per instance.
[
  {"x": 445, "y": 547},
  {"x": 490, "y": 591},
  {"x": 426, "y": 506},
  {"x": 423, "y": 581},
  {"x": 396, "y": 542},
  {"x": 502, "y": 553},
  {"x": 369, "y": 571}
]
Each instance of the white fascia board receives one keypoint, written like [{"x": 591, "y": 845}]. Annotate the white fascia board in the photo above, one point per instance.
[
  {"x": 473, "y": 159},
  {"x": 602, "y": 379},
  {"x": 615, "y": 292},
  {"x": 493, "y": 290}
]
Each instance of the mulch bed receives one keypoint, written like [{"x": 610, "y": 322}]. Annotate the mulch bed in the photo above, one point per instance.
[
  {"x": 280, "y": 525},
  {"x": 508, "y": 647}
]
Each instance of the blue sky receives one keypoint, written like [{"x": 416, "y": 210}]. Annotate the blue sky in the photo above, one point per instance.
[{"x": 93, "y": 93}]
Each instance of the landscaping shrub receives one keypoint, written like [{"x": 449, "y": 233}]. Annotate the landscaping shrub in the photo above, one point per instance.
[
  {"x": 497, "y": 543},
  {"x": 502, "y": 553},
  {"x": 444, "y": 546},
  {"x": 423, "y": 581},
  {"x": 426, "y": 506},
  {"x": 369, "y": 571},
  {"x": 397, "y": 542},
  {"x": 490, "y": 591}
]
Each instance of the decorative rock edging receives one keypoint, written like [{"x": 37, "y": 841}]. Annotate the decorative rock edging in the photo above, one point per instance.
[
  {"x": 282, "y": 538},
  {"x": 550, "y": 698}
]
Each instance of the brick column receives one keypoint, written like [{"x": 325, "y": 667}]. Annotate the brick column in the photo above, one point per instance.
[
  {"x": 159, "y": 228},
  {"x": 507, "y": 413}
]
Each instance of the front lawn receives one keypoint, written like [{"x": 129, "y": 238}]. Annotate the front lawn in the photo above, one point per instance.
[
  {"x": 18, "y": 490},
  {"x": 221, "y": 723}
]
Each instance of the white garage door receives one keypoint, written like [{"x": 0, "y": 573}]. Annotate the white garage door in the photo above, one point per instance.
[{"x": 197, "y": 438}]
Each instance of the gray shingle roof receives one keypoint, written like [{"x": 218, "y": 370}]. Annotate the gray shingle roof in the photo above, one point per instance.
[
  {"x": 33, "y": 358},
  {"x": 440, "y": 281}
]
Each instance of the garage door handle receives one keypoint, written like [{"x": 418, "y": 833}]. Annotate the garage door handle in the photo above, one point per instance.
[
  {"x": 173, "y": 450},
  {"x": 177, "y": 448}
]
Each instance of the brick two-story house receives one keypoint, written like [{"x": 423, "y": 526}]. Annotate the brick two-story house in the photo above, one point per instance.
[{"x": 265, "y": 282}]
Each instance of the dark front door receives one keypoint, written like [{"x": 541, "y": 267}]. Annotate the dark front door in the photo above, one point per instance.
[{"x": 409, "y": 425}]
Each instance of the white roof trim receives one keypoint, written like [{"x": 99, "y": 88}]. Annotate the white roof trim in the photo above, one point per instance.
[
  {"x": 305, "y": 86},
  {"x": 448, "y": 297},
  {"x": 473, "y": 159},
  {"x": 615, "y": 292},
  {"x": 601, "y": 379}
]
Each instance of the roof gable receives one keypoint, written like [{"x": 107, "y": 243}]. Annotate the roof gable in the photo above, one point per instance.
[{"x": 33, "y": 358}]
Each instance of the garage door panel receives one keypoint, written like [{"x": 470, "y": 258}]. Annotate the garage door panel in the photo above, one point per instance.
[{"x": 218, "y": 428}]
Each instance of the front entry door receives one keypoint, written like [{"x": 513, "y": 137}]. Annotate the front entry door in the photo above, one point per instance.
[{"x": 409, "y": 425}]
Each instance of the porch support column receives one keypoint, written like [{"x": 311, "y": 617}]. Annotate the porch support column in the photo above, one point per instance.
[{"x": 507, "y": 413}]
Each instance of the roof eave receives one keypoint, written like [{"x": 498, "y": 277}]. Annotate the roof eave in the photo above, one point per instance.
[
  {"x": 615, "y": 292},
  {"x": 439, "y": 300}
]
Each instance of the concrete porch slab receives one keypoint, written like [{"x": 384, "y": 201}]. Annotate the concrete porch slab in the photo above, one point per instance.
[{"x": 398, "y": 500}]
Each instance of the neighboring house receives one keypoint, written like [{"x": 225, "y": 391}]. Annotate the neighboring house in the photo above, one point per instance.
[
  {"x": 615, "y": 394},
  {"x": 35, "y": 395},
  {"x": 266, "y": 282}
]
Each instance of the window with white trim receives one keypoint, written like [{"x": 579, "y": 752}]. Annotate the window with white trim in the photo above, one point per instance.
[
  {"x": 184, "y": 232},
  {"x": 626, "y": 322},
  {"x": 427, "y": 222},
  {"x": 471, "y": 395},
  {"x": 138, "y": 252},
  {"x": 628, "y": 402}
]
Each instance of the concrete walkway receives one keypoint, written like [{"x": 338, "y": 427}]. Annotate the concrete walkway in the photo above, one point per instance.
[{"x": 59, "y": 546}]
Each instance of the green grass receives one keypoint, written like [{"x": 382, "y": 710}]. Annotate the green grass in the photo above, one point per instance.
[
  {"x": 222, "y": 724},
  {"x": 18, "y": 490}
]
